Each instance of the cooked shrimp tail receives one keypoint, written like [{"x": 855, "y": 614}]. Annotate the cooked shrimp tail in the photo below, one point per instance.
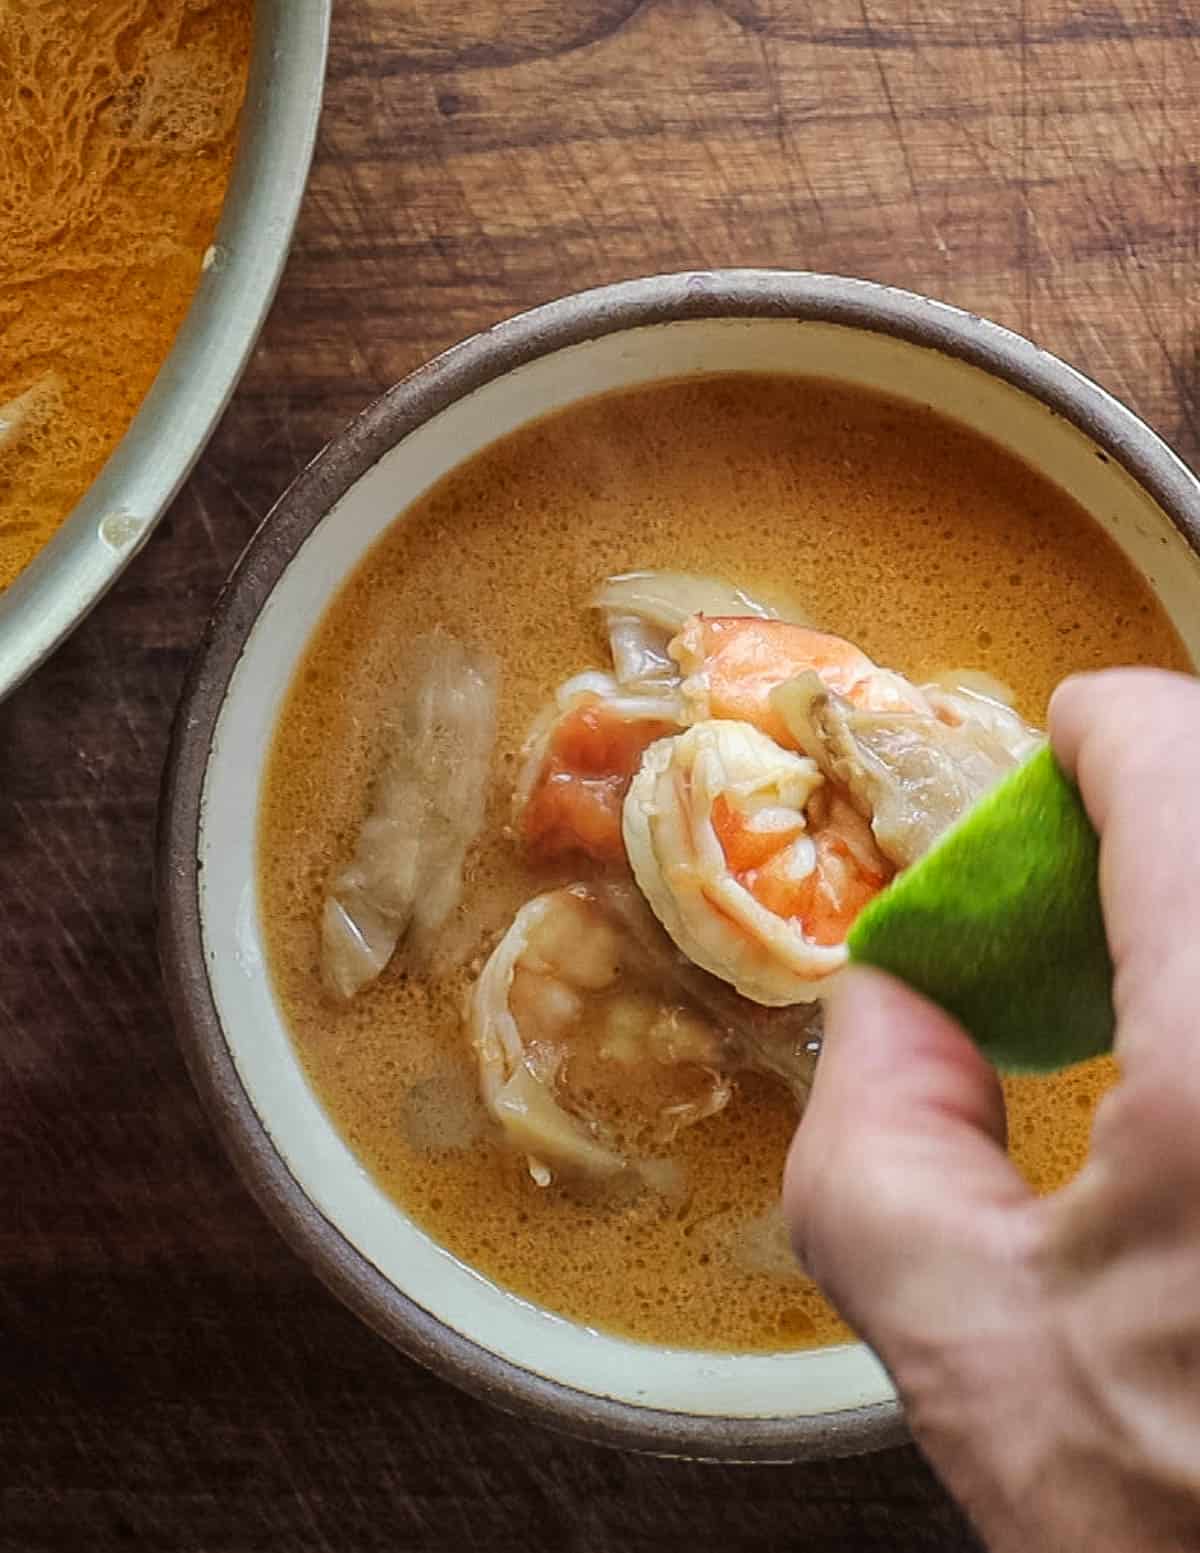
[
  {"x": 643, "y": 610},
  {"x": 910, "y": 773}
]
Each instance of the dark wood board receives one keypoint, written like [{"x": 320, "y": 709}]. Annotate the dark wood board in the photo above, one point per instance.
[{"x": 173, "y": 1378}]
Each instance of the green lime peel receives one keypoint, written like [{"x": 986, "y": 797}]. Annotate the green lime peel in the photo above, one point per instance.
[{"x": 1000, "y": 923}]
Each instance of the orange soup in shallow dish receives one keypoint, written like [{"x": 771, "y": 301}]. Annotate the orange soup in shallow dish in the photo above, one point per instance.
[{"x": 147, "y": 196}]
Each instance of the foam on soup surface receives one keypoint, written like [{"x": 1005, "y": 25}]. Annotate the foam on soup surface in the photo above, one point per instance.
[
  {"x": 120, "y": 118},
  {"x": 925, "y": 544}
]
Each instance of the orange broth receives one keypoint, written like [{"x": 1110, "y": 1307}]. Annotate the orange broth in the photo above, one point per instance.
[
  {"x": 117, "y": 130},
  {"x": 926, "y": 544}
]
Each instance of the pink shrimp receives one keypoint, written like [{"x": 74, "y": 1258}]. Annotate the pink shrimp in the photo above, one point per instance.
[
  {"x": 732, "y": 664},
  {"x": 579, "y": 758},
  {"x": 847, "y": 870},
  {"x": 752, "y": 861}
]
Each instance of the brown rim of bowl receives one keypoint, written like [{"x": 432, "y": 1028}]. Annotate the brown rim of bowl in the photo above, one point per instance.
[{"x": 1117, "y": 433}]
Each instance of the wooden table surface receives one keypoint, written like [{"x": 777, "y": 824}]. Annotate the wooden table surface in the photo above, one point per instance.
[{"x": 173, "y": 1377}]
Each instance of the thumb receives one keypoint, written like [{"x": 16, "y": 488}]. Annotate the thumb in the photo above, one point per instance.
[{"x": 898, "y": 1190}]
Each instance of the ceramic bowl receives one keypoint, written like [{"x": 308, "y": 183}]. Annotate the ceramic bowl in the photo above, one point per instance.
[{"x": 741, "y": 1407}]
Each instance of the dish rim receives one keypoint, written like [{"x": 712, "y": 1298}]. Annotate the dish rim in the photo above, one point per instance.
[
  {"x": 243, "y": 266},
  {"x": 785, "y": 295}
]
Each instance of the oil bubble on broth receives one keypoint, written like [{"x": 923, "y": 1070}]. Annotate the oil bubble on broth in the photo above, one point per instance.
[{"x": 927, "y": 545}]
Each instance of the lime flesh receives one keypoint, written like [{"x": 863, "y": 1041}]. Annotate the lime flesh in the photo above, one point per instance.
[{"x": 1000, "y": 923}]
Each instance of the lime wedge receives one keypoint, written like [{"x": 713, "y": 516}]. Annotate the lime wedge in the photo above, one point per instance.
[{"x": 1000, "y": 923}]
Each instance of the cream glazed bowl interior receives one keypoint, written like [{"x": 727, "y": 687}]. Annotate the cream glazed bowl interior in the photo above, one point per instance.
[{"x": 786, "y": 1406}]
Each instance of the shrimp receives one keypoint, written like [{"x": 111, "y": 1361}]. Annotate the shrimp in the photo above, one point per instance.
[
  {"x": 732, "y": 664},
  {"x": 643, "y": 610},
  {"x": 579, "y": 758},
  {"x": 755, "y": 865},
  {"x": 985, "y": 710},
  {"x": 781, "y": 1043},
  {"x": 563, "y": 1025},
  {"x": 583, "y": 751},
  {"x": 910, "y": 775}
]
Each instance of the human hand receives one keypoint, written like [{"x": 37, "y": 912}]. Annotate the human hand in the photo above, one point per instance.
[{"x": 1047, "y": 1350}]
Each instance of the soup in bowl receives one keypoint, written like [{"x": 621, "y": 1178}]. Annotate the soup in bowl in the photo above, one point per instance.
[{"x": 543, "y": 747}]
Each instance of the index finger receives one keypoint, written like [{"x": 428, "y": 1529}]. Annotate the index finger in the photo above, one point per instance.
[{"x": 1131, "y": 739}]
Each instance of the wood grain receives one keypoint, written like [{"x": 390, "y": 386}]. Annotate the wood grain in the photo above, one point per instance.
[{"x": 175, "y": 1379}]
